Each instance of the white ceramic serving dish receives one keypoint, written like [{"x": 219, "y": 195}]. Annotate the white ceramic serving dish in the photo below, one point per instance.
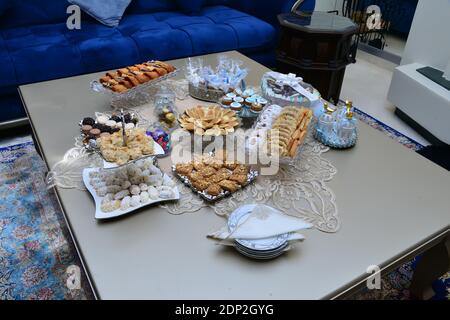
[{"x": 99, "y": 214}]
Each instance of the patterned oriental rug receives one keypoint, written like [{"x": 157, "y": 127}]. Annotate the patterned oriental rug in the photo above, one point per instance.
[{"x": 37, "y": 252}]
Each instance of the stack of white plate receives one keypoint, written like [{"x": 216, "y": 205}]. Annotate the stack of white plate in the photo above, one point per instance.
[{"x": 261, "y": 249}]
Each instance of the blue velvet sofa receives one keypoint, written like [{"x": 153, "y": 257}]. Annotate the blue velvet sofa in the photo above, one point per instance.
[{"x": 35, "y": 44}]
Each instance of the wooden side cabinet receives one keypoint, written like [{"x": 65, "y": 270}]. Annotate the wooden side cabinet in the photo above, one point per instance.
[{"x": 317, "y": 48}]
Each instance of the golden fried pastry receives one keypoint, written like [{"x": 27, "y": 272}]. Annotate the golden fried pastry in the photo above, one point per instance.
[
  {"x": 289, "y": 131},
  {"x": 104, "y": 79},
  {"x": 119, "y": 88},
  {"x": 230, "y": 165},
  {"x": 126, "y": 83},
  {"x": 209, "y": 121},
  {"x": 161, "y": 71},
  {"x": 183, "y": 169},
  {"x": 142, "y": 78},
  {"x": 241, "y": 169},
  {"x": 239, "y": 178},
  {"x": 142, "y": 67},
  {"x": 196, "y": 176},
  {"x": 135, "y": 82},
  {"x": 207, "y": 172},
  {"x": 216, "y": 164},
  {"x": 224, "y": 171},
  {"x": 112, "y": 82},
  {"x": 219, "y": 177},
  {"x": 168, "y": 67},
  {"x": 124, "y": 72},
  {"x": 198, "y": 165},
  {"x": 135, "y": 75},
  {"x": 152, "y": 74},
  {"x": 133, "y": 68},
  {"x": 214, "y": 190},
  {"x": 112, "y": 149},
  {"x": 112, "y": 75},
  {"x": 200, "y": 185},
  {"x": 229, "y": 185}
]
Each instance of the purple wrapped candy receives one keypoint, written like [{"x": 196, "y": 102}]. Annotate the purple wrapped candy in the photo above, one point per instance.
[
  {"x": 159, "y": 133},
  {"x": 160, "y": 136}
]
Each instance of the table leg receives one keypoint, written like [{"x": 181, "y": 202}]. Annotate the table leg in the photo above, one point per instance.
[{"x": 434, "y": 263}]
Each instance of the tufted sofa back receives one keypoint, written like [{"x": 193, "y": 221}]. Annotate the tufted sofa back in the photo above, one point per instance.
[{"x": 34, "y": 12}]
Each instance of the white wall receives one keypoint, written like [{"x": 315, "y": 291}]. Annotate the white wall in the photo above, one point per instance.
[{"x": 429, "y": 39}]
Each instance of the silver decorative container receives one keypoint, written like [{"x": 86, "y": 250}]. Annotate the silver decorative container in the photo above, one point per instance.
[
  {"x": 251, "y": 176},
  {"x": 205, "y": 94}
]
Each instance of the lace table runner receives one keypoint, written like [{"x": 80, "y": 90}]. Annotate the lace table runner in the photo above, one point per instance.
[{"x": 298, "y": 189}]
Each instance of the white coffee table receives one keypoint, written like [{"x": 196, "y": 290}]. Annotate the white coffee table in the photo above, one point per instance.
[{"x": 393, "y": 205}]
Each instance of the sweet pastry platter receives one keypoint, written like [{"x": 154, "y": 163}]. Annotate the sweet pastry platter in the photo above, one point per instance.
[
  {"x": 210, "y": 84},
  {"x": 288, "y": 89},
  {"x": 212, "y": 178},
  {"x": 127, "y": 81},
  {"x": 104, "y": 135},
  {"x": 281, "y": 130},
  {"x": 120, "y": 191},
  {"x": 139, "y": 145},
  {"x": 246, "y": 103},
  {"x": 209, "y": 121},
  {"x": 104, "y": 124}
]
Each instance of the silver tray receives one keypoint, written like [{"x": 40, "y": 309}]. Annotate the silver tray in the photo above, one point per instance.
[
  {"x": 281, "y": 100},
  {"x": 251, "y": 176},
  {"x": 205, "y": 94},
  {"x": 133, "y": 97}
]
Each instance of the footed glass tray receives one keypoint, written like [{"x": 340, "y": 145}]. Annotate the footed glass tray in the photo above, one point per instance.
[
  {"x": 133, "y": 97},
  {"x": 333, "y": 141}
]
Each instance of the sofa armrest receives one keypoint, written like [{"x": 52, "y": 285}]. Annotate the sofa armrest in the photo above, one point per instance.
[{"x": 266, "y": 10}]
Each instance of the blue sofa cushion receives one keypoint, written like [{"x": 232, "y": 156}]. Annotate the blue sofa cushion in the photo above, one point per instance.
[
  {"x": 102, "y": 48},
  {"x": 41, "y": 52},
  {"x": 34, "y": 12},
  {"x": 190, "y": 6},
  {"x": 51, "y": 51},
  {"x": 8, "y": 77},
  {"x": 107, "y": 12},
  {"x": 173, "y": 35},
  {"x": 11, "y": 107},
  {"x": 4, "y": 5},
  {"x": 150, "y": 6},
  {"x": 216, "y": 2}
]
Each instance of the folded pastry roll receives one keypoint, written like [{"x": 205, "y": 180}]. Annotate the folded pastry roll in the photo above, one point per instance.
[
  {"x": 161, "y": 71},
  {"x": 112, "y": 75},
  {"x": 166, "y": 66},
  {"x": 132, "y": 76},
  {"x": 133, "y": 80},
  {"x": 126, "y": 83},
  {"x": 142, "y": 78},
  {"x": 119, "y": 88},
  {"x": 133, "y": 68},
  {"x": 112, "y": 82},
  {"x": 123, "y": 72},
  {"x": 104, "y": 79},
  {"x": 152, "y": 74}
]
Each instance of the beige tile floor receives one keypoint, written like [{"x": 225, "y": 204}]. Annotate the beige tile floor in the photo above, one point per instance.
[
  {"x": 366, "y": 83},
  {"x": 395, "y": 44}
]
